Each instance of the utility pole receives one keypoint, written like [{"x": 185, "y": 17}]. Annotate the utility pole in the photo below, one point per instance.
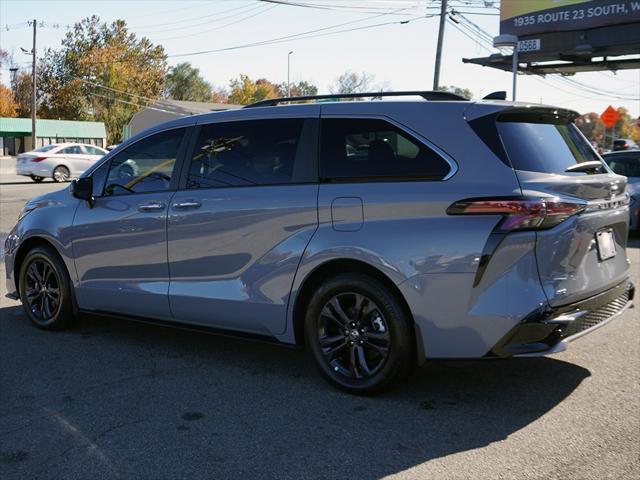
[
  {"x": 443, "y": 18},
  {"x": 33, "y": 88}
]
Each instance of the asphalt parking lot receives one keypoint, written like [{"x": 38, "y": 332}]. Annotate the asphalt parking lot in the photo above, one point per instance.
[{"x": 111, "y": 399}]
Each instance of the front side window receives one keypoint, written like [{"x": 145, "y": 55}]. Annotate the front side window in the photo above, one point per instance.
[
  {"x": 246, "y": 153},
  {"x": 375, "y": 149},
  {"x": 146, "y": 166}
]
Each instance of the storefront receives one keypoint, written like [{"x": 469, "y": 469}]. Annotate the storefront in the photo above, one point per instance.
[{"x": 15, "y": 134}]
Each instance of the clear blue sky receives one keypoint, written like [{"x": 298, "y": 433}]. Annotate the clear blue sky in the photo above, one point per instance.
[{"x": 399, "y": 55}]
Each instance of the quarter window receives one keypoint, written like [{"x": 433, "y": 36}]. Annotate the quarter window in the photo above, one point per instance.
[
  {"x": 245, "y": 153},
  {"x": 375, "y": 149},
  {"x": 146, "y": 166}
]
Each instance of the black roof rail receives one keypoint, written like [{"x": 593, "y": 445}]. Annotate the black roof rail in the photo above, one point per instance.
[{"x": 427, "y": 95}]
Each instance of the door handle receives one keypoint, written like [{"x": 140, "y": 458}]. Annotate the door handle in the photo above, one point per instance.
[
  {"x": 151, "y": 206},
  {"x": 187, "y": 204}
]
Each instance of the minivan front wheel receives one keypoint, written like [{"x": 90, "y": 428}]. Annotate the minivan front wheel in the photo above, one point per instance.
[
  {"x": 45, "y": 289},
  {"x": 358, "y": 334}
]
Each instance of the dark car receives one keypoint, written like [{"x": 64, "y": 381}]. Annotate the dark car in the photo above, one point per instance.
[
  {"x": 624, "y": 144},
  {"x": 627, "y": 163}
]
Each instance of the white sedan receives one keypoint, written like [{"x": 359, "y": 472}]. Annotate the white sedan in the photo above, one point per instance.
[{"x": 59, "y": 161}]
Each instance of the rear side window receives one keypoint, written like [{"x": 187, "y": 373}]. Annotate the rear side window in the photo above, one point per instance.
[
  {"x": 627, "y": 165},
  {"x": 544, "y": 147},
  {"x": 248, "y": 153},
  {"x": 74, "y": 150},
  {"x": 374, "y": 149},
  {"x": 45, "y": 148}
]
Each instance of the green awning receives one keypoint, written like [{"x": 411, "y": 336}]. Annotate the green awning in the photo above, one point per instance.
[{"x": 10, "y": 127}]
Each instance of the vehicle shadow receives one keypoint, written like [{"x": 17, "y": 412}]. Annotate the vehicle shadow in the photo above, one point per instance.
[{"x": 140, "y": 401}]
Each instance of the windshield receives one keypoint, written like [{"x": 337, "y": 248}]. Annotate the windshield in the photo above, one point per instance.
[
  {"x": 45, "y": 148},
  {"x": 545, "y": 147}
]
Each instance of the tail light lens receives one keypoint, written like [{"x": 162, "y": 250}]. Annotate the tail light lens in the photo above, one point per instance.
[
  {"x": 38, "y": 159},
  {"x": 519, "y": 213}
]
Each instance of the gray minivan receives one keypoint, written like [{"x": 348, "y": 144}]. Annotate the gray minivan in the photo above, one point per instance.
[{"x": 378, "y": 233}]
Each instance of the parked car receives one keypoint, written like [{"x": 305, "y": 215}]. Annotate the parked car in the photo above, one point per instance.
[
  {"x": 627, "y": 163},
  {"x": 624, "y": 144},
  {"x": 59, "y": 161},
  {"x": 379, "y": 234}
]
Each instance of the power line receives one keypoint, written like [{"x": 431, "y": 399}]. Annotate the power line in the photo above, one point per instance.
[
  {"x": 115, "y": 99},
  {"x": 200, "y": 17},
  {"x": 220, "y": 27},
  {"x": 242, "y": 11},
  {"x": 307, "y": 34}
]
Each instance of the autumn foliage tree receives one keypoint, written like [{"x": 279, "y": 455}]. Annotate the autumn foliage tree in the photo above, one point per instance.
[
  {"x": 8, "y": 106},
  {"x": 101, "y": 72}
]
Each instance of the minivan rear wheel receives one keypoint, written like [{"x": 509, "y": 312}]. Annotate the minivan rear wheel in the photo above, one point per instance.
[
  {"x": 358, "y": 334},
  {"x": 45, "y": 289}
]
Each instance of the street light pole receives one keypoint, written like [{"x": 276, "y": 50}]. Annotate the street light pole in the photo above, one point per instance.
[
  {"x": 507, "y": 40},
  {"x": 289, "y": 73}
]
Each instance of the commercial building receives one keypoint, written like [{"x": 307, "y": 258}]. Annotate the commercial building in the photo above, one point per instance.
[
  {"x": 164, "y": 110},
  {"x": 15, "y": 134}
]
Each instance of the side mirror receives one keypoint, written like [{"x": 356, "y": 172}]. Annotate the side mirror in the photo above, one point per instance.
[{"x": 82, "y": 188}]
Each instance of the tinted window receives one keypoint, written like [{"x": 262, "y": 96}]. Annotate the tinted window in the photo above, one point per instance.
[
  {"x": 254, "y": 152},
  {"x": 627, "y": 165},
  {"x": 370, "y": 148},
  {"x": 45, "y": 148},
  {"x": 74, "y": 150},
  {"x": 94, "y": 150},
  {"x": 545, "y": 147},
  {"x": 146, "y": 166}
]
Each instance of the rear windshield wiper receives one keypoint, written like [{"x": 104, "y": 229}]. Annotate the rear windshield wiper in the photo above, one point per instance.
[{"x": 591, "y": 166}]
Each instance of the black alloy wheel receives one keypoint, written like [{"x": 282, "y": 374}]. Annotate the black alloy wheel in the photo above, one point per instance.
[
  {"x": 354, "y": 335},
  {"x": 45, "y": 289},
  {"x": 359, "y": 334}
]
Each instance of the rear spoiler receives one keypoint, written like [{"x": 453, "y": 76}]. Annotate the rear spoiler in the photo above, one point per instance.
[{"x": 526, "y": 110}]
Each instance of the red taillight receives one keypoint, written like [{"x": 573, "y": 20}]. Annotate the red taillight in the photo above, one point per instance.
[
  {"x": 519, "y": 214},
  {"x": 38, "y": 159}
]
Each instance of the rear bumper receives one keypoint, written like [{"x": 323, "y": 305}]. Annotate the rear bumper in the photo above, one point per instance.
[
  {"x": 30, "y": 169},
  {"x": 549, "y": 330}
]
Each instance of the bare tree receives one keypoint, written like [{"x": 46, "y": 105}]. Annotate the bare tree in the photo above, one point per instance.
[{"x": 353, "y": 82}]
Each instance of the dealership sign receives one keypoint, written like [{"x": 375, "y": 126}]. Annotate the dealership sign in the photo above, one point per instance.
[{"x": 520, "y": 17}]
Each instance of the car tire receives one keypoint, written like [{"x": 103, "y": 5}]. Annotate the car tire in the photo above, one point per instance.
[
  {"x": 61, "y": 174},
  {"x": 358, "y": 334},
  {"x": 45, "y": 289},
  {"x": 37, "y": 179}
]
